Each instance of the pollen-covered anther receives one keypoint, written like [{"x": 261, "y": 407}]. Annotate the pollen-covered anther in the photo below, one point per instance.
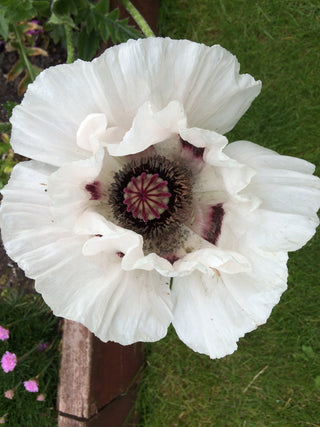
[{"x": 146, "y": 196}]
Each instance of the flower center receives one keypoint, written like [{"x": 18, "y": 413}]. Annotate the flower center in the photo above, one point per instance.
[
  {"x": 153, "y": 197},
  {"x": 146, "y": 196}
]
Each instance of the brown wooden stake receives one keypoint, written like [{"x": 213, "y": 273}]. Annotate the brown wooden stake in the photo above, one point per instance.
[{"x": 98, "y": 381}]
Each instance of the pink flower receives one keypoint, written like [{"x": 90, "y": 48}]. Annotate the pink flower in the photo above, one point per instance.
[
  {"x": 8, "y": 361},
  {"x": 41, "y": 397},
  {"x": 43, "y": 345},
  {"x": 9, "y": 394},
  {"x": 3, "y": 419},
  {"x": 4, "y": 333},
  {"x": 31, "y": 385}
]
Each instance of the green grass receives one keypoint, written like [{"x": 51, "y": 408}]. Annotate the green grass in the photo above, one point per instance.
[
  {"x": 30, "y": 322},
  {"x": 273, "y": 379}
]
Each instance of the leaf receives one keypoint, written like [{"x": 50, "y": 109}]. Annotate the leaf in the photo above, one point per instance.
[
  {"x": 90, "y": 20},
  {"x": 63, "y": 9},
  {"x": 57, "y": 33},
  {"x": 88, "y": 44},
  {"x": 16, "y": 70},
  {"x": 35, "y": 51},
  {"x": 16, "y": 11},
  {"x": 26, "y": 80},
  {"x": 42, "y": 7},
  {"x": 23, "y": 84},
  {"x": 4, "y": 26},
  {"x": 61, "y": 20},
  {"x": 68, "y": 7},
  {"x": 119, "y": 30},
  {"x": 102, "y": 7}
]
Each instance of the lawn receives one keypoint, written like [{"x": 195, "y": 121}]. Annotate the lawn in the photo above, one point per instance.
[{"x": 273, "y": 379}]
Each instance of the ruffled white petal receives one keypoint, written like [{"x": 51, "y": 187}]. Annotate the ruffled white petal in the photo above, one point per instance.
[
  {"x": 114, "y": 304},
  {"x": 204, "y": 80},
  {"x": 231, "y": 175},
  {"x": 112, "y": 239},
  {"x": 91, "y": 130},
  {"x": 45, "y": 124},
  {"x": 289, "y": 199},
  {"x": 211, "y": 260},
  {"x": 66, "y": 188},
  {"x": 212, "y": 312},
  {"x": 257, "y": 291},
  {"x": 257, "y": 157},
  {"x": 150, "y": 127},
  {"x": 206, "y": 318},
  {"x": 214, "y": 142},
  {"x": 89, "y": 287}
]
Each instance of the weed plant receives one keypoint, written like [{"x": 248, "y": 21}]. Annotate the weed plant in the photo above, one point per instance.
[{"x": 273, "y": 379}]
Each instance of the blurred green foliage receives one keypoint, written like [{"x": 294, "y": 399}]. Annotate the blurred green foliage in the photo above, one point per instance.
[{"x": 89, "y": 22}]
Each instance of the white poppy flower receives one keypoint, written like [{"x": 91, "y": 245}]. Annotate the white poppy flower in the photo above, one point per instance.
[{"x": 132, "y": 185}]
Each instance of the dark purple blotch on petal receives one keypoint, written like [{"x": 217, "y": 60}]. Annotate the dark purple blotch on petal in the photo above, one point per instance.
[
  {"x": 172, "y": 258},
  {"x": 120, "y": 254},
  {"x": 213, "y": 229},
  {"x": 95, "y": 190},
  {"x": 197, "y": 152}
]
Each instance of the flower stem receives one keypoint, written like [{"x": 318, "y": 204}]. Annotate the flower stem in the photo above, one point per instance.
[
  {"x": 136, "y": 15},
  {"x": 24, "y": 356},
  {"x": 43, "y": 370},
  {"x": 70, "y": 46},
  {"x": 31, "y": 73}
]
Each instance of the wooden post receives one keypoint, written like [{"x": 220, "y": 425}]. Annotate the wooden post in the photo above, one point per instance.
[{"x": 98, "y": 381}]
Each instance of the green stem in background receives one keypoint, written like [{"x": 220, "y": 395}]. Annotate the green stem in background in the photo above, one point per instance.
[
  {"x": 136, "y": 15},
  {"x": 43, "y": 370},
  {"x": 31, "y": 73},
  {"x": 70, "y": 46},
  {"x": 24, "y": 356}
]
